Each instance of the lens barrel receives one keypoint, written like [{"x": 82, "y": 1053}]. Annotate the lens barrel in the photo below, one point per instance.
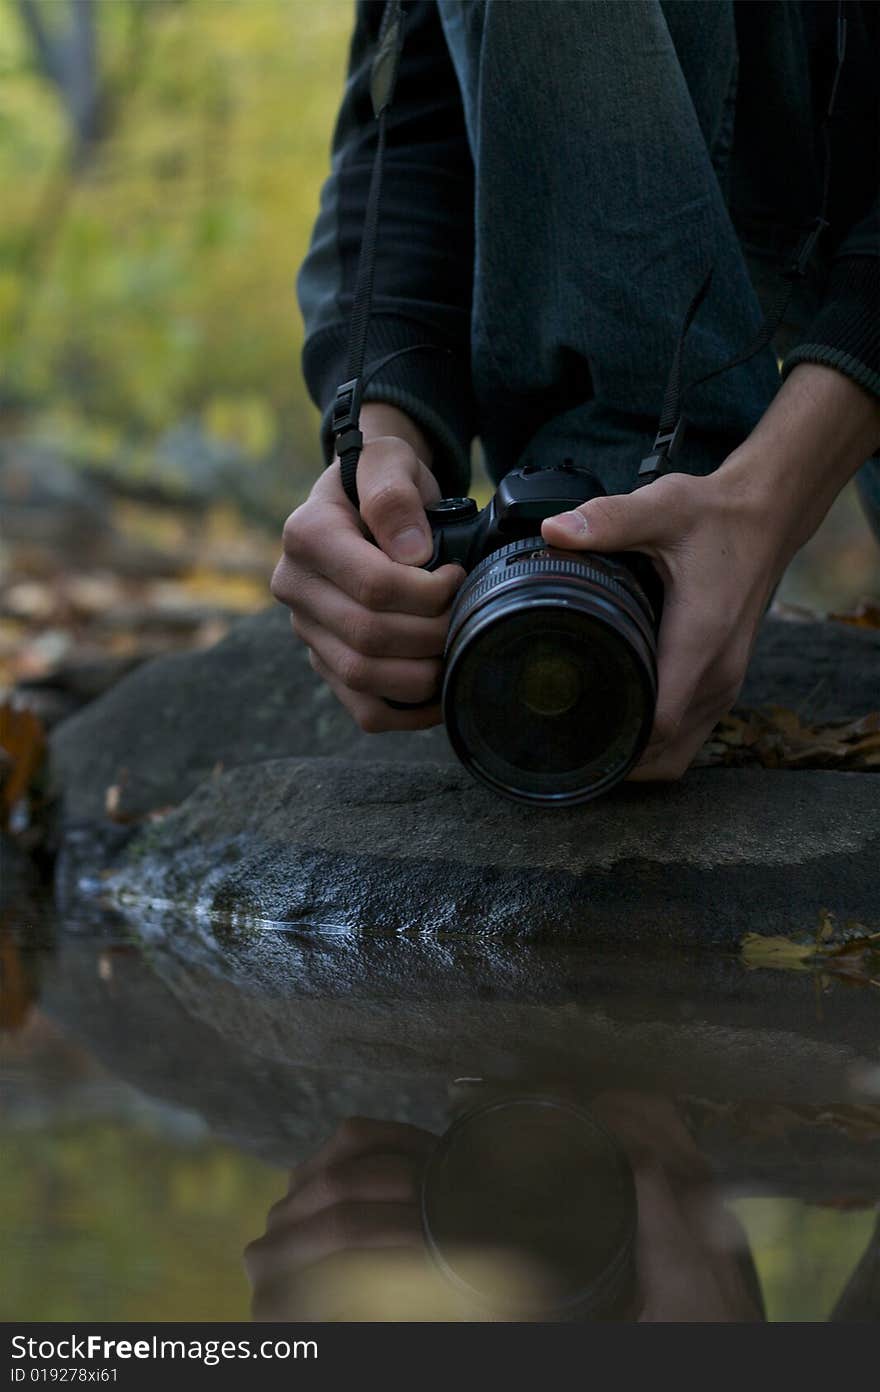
[
  {"x": 551, "y": 674},
  {"x": 529, "y": 1210}
]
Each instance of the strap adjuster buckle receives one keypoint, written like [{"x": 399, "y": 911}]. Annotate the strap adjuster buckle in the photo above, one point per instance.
[
  {"x": 800, "y": 262},
  {"x": 347, "y": 406}
]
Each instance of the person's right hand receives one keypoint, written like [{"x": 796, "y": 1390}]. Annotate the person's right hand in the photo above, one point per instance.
[
  {"x": 374, "y": 622},
  {"x": 346, "y": 1240}
]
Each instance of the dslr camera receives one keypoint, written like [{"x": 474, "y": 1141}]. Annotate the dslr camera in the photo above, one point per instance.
[{"x": 550, "y": 674}]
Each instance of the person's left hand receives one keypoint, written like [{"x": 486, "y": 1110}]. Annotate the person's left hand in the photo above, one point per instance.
[
  {"x": 720, "y": 560},
  {"x": 721, "y": 544}
]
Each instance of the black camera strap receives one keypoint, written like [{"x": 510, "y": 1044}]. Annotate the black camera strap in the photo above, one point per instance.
[
  {"x": 347, "y": 435},
  {"x": 670, "y": 431},
  {"x": 345, "y": 419}
]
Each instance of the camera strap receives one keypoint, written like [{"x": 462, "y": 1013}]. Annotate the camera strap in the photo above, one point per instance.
[
  {"x": 670, "y": 431},
  {"x": 345, "y": 418}
]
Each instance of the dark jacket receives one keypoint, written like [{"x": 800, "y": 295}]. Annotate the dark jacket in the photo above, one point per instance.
[{"x": 424, "y": 269}]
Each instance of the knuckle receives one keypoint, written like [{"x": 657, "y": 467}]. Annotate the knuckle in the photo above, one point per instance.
[
  {"x": 354, "y": 671},
  {"x": 374, "y": 590},
  {"x": 277, "y": 585},
  {"x": 368, "y": 635},
  {"x": 677, "y": 490},
  {"x": 252, "y": 1256},
  {"x": 330, "y": 1187},
  {"x": 295, "y": 530},
  {"x": 389, "y": 500}
]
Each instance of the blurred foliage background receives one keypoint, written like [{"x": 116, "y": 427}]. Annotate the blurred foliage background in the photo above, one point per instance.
[{"x": 161, "y": 161}]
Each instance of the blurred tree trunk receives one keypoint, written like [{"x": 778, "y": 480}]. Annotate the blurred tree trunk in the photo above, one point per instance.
[
  {"x": 69, "y": 59},
  {"x": 67, "y": 51}
]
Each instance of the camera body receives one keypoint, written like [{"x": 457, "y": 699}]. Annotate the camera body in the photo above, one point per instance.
[
  {"x": 524, "y": 498},
  {"x": 549, "y": 682}
]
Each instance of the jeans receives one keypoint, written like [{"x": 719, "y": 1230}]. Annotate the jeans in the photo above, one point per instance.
[{"x": 601, "y": 132}]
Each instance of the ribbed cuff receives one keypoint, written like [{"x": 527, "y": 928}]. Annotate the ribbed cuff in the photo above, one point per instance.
[
  {"x": 433, "y": 387},
  {"x": 846, "y": 332}
]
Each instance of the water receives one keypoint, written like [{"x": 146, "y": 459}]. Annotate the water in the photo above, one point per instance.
[{"x": 160, "y": 1079}]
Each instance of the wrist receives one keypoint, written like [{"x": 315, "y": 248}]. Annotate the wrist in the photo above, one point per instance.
[
  {"x": 380, "y": 418},
  {"x": 817, "y": 432}
]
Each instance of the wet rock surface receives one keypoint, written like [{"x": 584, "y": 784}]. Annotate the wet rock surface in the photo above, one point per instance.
[
  {"x": 288, "y": 814},
  {"x": 168, "y": 726},
  {"x": 345, "y": 846}
]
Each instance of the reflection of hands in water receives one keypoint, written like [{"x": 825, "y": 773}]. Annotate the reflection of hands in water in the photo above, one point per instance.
[
  {"x": 350, "y": 1211},
  {"x": 346, "y": 1241},
  {"x": 691, "y": 1252}
]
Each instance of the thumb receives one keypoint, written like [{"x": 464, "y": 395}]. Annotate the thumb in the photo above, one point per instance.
[
  {"x": 639, "y": 521},
  {"x": 393, "y": 487}
]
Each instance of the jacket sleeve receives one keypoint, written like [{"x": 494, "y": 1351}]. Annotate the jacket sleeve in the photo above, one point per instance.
[
  {"x": 845, "y": 333},
  {"x": 424, "y": 257}
]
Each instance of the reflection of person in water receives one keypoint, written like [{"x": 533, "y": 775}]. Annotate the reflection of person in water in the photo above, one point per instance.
[{"x": 348, "y": 1239}]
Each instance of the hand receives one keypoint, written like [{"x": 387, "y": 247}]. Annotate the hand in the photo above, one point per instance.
[
  {"x": 691, "y": 1250},
  {"x": 349, "y": 1223},
  {"x": 719, "y": 561},
  {"x": 722, "y": 543},
  {"x": 374, "y": 622}
]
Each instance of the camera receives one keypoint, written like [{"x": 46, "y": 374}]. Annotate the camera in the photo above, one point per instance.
[
  {"x": 550, "y": 673},
  {"x": 529, "y": 1211}
]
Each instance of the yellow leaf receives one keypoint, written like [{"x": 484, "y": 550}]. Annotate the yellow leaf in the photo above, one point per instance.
[{"x": 758, "y": 951}]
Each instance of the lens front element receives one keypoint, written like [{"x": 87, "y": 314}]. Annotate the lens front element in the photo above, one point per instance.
[{"x": 551, "y": 675}]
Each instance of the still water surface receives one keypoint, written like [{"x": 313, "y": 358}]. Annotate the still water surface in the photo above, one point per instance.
[{"x": 664, "y": 1141}]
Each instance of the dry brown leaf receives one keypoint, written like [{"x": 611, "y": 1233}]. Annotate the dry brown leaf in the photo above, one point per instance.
[
  {"x": 23, "y": 741},
  {"x": 865, "y": 615},
  {"x": 15, "y": 991},
  {"x": 778, "y": 738}
]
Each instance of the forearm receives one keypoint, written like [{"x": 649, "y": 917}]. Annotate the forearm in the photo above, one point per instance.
[{"x": 818, "y": 431}]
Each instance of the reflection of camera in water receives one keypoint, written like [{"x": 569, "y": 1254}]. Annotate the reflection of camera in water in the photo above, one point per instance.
[
  {"x": 550, "y": 677},
  {"x": 529, "y": 1210}
]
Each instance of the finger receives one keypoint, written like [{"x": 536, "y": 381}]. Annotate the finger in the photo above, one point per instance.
[
  {"x": 669, "y": 762},
  {"x": 393, "y": 486},
  {"x": 700, "y": 667},
  {"x": 686, "y": 648},
  {"x": 343, "y": 1228},
  {"x": 645, "y": 520},
  {"x": 362, "y": 1179},
  {"x": 329, "y": 543},
  {"x": 374, "y": 635},
  {"x": 372, "y": 714},
  {"x": 358, "y": 1136},
  {"x": 391, "y": 678}
]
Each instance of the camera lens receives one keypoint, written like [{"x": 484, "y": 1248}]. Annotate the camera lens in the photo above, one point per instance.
[
  {"x": 550, "y": 681},
  {"x": 529, "y": 1210}
]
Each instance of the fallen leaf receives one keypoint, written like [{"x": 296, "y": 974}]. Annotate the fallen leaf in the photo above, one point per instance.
[
  {"x": 758, "y": 951},
  {"x": 865, "y": 615},
  {"x": 23, "y": 741}
]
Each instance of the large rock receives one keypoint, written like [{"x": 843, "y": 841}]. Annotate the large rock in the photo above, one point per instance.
[
  {"x": 172, "y": 723},
  {"x": 341, "y": 846},
  {"x": 167, "y": 727}
]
